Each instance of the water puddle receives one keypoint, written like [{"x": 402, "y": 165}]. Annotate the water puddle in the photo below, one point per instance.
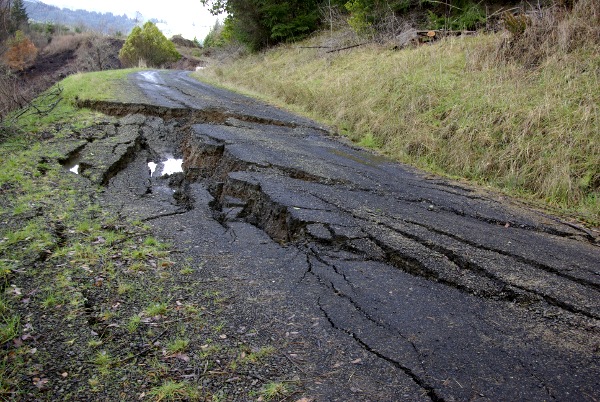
[
  {"x": 152, "y": 167},
  {"x": 171, "y": 166},
  {"x": 151, "y": 76},
  {"x": 72, "y": 164},
  {"x": 167, "y": 167}
]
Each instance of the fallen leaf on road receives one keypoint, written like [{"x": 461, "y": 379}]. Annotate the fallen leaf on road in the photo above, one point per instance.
[{"x": 40, "y": 383}]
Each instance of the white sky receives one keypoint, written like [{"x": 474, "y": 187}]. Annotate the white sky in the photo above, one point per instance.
[{"x": 186, "y": 17}]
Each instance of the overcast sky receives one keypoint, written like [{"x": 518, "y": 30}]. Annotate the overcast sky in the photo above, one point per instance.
[{"x": 185, "y": 17}]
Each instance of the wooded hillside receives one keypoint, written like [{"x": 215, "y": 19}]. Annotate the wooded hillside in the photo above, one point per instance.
[
  {"x": 261, "y": 23},
  {"x": 85, "y": 20}
]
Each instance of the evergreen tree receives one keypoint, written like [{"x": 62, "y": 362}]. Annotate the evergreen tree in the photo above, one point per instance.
[
  {"x": 148, "y": 44},
  {"x": 18, "y": 15}
]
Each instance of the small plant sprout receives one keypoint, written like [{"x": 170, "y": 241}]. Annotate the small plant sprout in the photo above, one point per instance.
[
  {"x": 257, "y": 355},
  {"x": 274, "y": 390},
  {"x": 174, "y": 391},
  {"x": 156, "y": 309},
  {"x": 103, "y": 360},
  {"x": 134, "y": 323},
  {"x": 124, "y": 288},
  {"x": 177, "y": 346},
  {"x": 51, "y": 300},
  {"x": 9, "y": 328},
  {"x": 151, "y": 242}
]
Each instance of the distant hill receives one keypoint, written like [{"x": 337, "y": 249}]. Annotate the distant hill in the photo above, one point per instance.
[{"x": 100, "y": 22}]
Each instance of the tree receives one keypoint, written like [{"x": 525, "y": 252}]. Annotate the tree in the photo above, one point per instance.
[
  {"x": 18, "y": 15},
  {"x": 5, "y": 20},
  {"x": 21, "y": 52},
  {"x": 147, "y": 44},
  {"x": 259, "y": 23}
]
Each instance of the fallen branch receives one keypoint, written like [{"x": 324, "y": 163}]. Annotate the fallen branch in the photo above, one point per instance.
[
  {"x": 442, "y": 32},
  {"x": 347, "y": 47},
  {"x": 44, "y": 104}
]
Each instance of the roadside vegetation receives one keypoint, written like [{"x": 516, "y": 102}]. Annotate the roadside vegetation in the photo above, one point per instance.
[{"x": 517, "y": 110}]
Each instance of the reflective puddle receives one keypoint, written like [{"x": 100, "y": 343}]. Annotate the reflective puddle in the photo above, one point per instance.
[
  {"x": 167, "y": 167},
  {"x": 152, "y": 167},
  {"x": 151, "y": 76},
  {"x": 72, "y": 164},
  {"x": 171, "y": 166}
]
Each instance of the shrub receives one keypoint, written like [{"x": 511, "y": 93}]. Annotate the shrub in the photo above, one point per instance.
[
  {"x": 21, "y": 52},
  {"x": 359, "y": 17},
  {"x": 465, "y": 15},
  {"x": 147, "y": 44}
]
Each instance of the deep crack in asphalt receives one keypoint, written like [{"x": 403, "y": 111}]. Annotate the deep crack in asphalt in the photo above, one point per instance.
[{"x": 444, "y": 291}]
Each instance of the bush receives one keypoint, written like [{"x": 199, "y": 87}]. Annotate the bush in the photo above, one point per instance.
[
  {"x": 21, "y": 52},
  {"x": 359, "y": 17},
  {"x": 465, "y": 16},
  {"x": 149, "y": 45},
  {"x": 96, "y": 53}
]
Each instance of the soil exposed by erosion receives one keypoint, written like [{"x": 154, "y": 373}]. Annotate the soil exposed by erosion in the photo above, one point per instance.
[{"x": 375, "y": 282}]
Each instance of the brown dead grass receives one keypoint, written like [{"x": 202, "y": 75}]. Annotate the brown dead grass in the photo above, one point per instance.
[
  {"x": 65, "y": 43},
  {"x": 552, "y": 31}
]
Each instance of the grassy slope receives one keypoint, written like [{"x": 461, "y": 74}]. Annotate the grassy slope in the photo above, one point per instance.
[
  {"x": 93, "y": 306},
  {"x": 450, "y": 108}
]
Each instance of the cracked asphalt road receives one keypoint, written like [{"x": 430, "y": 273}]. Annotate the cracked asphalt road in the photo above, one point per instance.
[{"x": 380, "y": 282}]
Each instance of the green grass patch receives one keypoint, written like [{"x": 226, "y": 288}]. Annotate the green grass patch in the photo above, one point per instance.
[
  {"x": 101, "y": 85},
  {"x": 274, "y": 390},
  {"x": 174, "y": 391},
  {"x": 134, "y": 323},
  {"x": 156, "y": 309},
  {"x": 177, "y": 345},
  {"x": 9, "y": 328},
  {"x": 257, "y": 355}
]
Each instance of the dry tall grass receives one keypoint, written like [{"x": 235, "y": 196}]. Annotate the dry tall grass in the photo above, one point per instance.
[
  {"x": 458, "y": 107},
  {"x": 65, "y": 43},
  {"x": 553, "y": 31}
]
